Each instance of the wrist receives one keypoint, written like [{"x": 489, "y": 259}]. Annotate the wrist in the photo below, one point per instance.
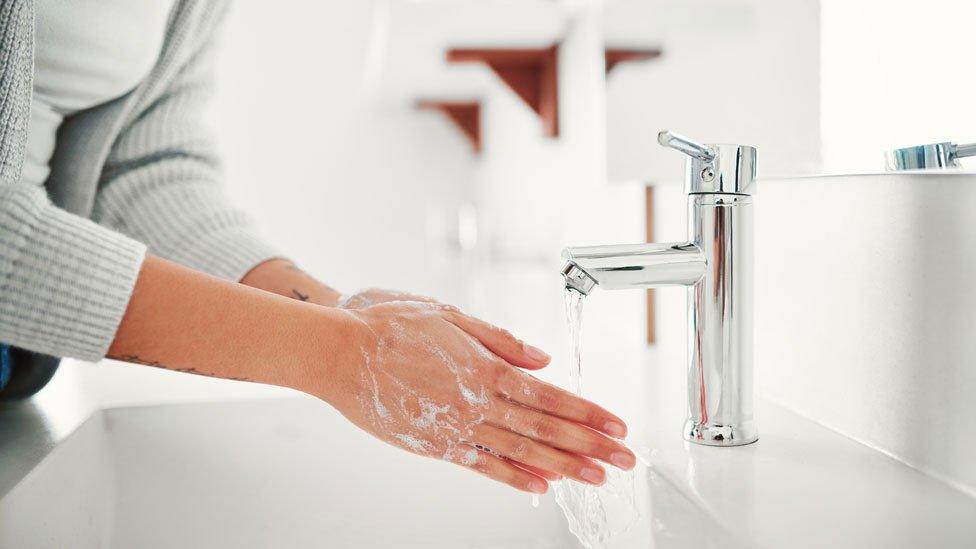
[{"x": 341, "y": 345}]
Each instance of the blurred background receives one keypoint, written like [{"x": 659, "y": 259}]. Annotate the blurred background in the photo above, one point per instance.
[{"x": 335, "y": 127}]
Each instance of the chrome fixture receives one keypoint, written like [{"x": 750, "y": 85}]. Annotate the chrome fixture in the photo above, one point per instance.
[
  {"x": 716, "y": 265},
  {"x": 937, "y": 156}
]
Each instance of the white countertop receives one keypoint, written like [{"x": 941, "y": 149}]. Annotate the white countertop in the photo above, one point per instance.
[
  {"x": 294, "y": 469},
  {"x": 801, "y": 485}
]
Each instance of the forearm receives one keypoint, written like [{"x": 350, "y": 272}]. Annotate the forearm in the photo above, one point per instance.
[
  {"x": 282, "y": 277},
  {"x": 183, "y": 320}
]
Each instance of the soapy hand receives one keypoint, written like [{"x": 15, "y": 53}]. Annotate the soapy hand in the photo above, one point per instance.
[
  {"x": 374, "y": 296},
  {"x": 439, "y": 383}
]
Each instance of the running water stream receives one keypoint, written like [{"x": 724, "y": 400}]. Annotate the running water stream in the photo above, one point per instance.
[{"x": 595, "y": 513}]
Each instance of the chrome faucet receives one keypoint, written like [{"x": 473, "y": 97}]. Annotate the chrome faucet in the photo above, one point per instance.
[{"x": 716, "y": 265}]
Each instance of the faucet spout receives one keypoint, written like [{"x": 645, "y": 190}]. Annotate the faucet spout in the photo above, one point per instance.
[{"x": 623, "y": 266}]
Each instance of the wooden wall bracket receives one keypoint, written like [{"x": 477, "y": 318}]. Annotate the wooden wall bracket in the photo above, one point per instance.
[
  {"x": 531, "y": 73},
  {"x": 466, "y": 115},
  {"x": 616, "y": 56}
]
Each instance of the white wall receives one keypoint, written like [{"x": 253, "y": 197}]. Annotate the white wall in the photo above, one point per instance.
[
  {"x": 896, "y": 73},
  {"x": 742, "y": 72},
  {"x": 348, "y": 186}
]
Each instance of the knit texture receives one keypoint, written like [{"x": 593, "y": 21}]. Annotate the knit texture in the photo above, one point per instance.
[{"x": 143, "y": 167}]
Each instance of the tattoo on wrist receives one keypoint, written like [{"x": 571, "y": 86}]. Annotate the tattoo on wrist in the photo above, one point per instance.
[
  {"x": 136, "y": 359},
  {"x": 299, "y": 295}
]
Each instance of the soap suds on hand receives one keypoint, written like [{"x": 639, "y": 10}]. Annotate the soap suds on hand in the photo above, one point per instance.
[
  {"x": 470, "y": 457},
  {"x": 413, "y": 443}
]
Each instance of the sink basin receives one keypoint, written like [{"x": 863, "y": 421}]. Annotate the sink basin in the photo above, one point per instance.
[
  {"x": 287, "y": 473},
  {"x": 293, "y": 473}
]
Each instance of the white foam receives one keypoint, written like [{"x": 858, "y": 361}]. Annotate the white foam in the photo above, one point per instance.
[
  {"x": 471, "y": 397},
  {"x": 414, "y": 443},
  {"x": 469, "y": 458},
  {"x": 428, "y": 414}
]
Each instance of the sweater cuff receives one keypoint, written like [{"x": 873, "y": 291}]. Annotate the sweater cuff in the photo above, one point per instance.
[
  {"x": 228, "y": 253},
  {"x": 65, "y": 281}
]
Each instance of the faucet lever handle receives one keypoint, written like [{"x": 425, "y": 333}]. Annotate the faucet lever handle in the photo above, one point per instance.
[
  {"x": 681, "y": 143},
  {"x": 715, "y": 168}
]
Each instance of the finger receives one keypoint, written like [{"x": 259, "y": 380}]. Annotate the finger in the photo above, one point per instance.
[
  {"x": 535, "y": 454},
  {"x": 548, "y": 475},
  {"x": 534, "y": 393},
  {"x": 562, "y": 434},
  {"x": 501, "y": 470},
  {"x": 501, "y": 342}
]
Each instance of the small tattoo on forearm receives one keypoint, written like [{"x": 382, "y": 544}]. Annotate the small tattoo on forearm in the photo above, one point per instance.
[
  {"x": 136, "y": 359},
  {"x": 208, "y": 374},
  {"x": 299, "y": 295}
]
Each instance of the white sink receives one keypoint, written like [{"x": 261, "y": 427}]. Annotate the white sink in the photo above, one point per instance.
[
  {"x": 293, "y": 473},
  {"x": 286, "y": 473}
]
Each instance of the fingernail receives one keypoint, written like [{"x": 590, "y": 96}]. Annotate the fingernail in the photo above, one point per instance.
[
  {"x": 593, "y": 476},
  {"x": 538, "y": 486},
  {"x": 623, "y": 460},
  {"x": 535, "y": 353},
  {"x": 615, "y": 429}
]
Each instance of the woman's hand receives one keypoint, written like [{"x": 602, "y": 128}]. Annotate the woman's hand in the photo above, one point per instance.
[{"x": 438, "y": 383}]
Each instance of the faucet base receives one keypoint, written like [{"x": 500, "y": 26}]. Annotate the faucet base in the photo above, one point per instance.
[{"x": 710, "y": 434}]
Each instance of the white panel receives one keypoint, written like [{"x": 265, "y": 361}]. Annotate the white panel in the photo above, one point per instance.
[
  {"x": 865, "y": 304},
  {"x": 742, "y": 72}
]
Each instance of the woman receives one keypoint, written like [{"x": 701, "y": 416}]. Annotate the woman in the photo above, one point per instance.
[{"x": 116, "y": 241}]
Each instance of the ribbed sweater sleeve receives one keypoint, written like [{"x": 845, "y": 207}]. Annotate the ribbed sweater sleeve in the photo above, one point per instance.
[
  {"x": 65, "y": 282},
  {"x": 162, "y": 182}
]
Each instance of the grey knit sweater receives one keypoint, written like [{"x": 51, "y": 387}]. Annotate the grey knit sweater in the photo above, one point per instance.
[{"x": 137, "y": 172}]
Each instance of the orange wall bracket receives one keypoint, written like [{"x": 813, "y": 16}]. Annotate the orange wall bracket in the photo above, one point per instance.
[
  {"x": 531, "y": 73},
  {"x": 466, "y": 115},
  {"x": 615, "y": 57}
]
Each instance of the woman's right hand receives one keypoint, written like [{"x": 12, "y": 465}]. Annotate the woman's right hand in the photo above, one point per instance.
[{"x": 436, "y": 382}]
